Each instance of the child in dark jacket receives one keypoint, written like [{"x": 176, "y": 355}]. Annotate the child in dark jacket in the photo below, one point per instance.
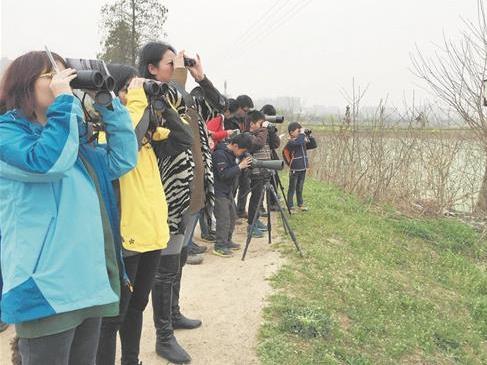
[
  {"x": 226, "y": 168},
  {"x": 299, "y": 142}
]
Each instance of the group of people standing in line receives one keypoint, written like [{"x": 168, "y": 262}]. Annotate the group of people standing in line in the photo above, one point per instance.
[{"x": 93, "y": 223}]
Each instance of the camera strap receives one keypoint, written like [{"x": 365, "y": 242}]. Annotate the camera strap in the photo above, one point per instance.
[{"x": 142, "y": 127}]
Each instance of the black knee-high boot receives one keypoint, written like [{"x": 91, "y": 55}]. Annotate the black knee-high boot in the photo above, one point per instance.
[
  {"x": 166, "y": 344},
  {"x": 178, "y": 319}
]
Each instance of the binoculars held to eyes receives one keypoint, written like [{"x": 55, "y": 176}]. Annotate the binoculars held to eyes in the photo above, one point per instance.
[{"x": 93, "y": 75}]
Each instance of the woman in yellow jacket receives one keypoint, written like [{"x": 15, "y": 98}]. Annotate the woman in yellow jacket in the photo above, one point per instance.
[{"x": 143, "y": 226}]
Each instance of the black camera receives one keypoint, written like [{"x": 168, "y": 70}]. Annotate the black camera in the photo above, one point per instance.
[
  {"x": 189, "y": 62},
  {"x": 92, "y": 75},
  {"x": 267, "y": 164},
  {"x": 275, "y": 118}
]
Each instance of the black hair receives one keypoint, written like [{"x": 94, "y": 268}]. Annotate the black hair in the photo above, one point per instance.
[
  {"x": 151, "y": 54},
  {"x": 293, "y": 126},
  {"x": 268, "y": 109},
  {"x": 254, "y": 116},
  {"x": 244, "y": 101},
  {"x": 232, "y": 105},
  {"x": 122, "y": 74},
  {"x": 242, "y": 140}
]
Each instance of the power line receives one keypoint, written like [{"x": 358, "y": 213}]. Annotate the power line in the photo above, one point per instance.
[
  {"x": 252, "y": 26},
  {"x": 267, "y": 18},
  {"x": 293, "y": 11}
]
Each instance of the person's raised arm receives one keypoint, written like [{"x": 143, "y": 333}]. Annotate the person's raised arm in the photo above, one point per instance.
[
  {"x": 213, "y": 97},
  {"x": 49, "y": 154}
]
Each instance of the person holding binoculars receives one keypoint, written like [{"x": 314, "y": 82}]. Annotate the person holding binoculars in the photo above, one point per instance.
[
  {"x": 59, "y": 252},
  {"x": 296, "y": 148}
]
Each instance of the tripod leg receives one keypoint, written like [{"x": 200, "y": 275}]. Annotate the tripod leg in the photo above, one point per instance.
[
  {"x": 254, "y": 220},
  {"x": 279, "y": 183},
  {"x": 286, "y": 224},
  {"x": 269, "y": 222}
]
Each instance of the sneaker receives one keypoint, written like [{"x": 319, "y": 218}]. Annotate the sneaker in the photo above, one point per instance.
[
  {"x": 303, "y": 208},
  {"x": 261, "y": 226},
  {"x": 263, "y": 213},
  {"x": 256, "y": 233},
  {"x": 293, "y": 210},
  {"x": 234, "y": 246},
  {"x": 208, "y": 237},
  {"x": 195, "y": 249},
  {"x": 195, "y": 259},
  {"x": 222, "y": 252}
]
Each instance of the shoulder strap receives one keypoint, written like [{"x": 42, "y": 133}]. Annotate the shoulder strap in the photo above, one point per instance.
[{"x": 142, "y": 127}]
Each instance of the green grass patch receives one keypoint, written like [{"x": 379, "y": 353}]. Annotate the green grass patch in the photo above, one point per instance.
[{"x": 375, "y": 287}]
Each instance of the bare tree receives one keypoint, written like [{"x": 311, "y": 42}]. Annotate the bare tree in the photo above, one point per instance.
[{"x": 455, "y": 74}]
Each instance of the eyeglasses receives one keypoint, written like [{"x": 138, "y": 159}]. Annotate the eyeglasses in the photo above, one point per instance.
[{"x": 48, "y": 75}]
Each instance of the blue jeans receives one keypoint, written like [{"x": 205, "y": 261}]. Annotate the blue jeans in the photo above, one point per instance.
[
  {"x": 191, "y": 221},
  {"x": 204, "y": 219}
]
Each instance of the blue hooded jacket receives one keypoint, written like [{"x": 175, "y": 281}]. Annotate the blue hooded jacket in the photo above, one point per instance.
[
  {"x": 52, "y": 249},
  {"x": 110, "y": 161}
]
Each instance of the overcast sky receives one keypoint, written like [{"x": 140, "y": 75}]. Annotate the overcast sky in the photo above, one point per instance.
[{"x": 306, "y": 48}]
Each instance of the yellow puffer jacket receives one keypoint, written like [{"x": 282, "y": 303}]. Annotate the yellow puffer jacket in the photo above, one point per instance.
[{"x": 143, "y": 203}]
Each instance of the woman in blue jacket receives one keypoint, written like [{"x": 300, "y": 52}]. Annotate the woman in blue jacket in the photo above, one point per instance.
[{"x": 59, "y": 270}]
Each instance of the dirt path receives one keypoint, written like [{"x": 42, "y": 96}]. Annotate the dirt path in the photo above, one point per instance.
[{"x": 227, "y": 295}]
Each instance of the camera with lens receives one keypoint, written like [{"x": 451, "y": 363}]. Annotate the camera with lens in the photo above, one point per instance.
[
  {"x": 267, "y": 164},
  {"x": 93, "y": 75},
  {"x": 275, "y": 118},
  {"x": 263, "y": 164}
]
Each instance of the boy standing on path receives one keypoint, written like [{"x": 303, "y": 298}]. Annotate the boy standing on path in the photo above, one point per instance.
[{"x": 227, "y": 168}]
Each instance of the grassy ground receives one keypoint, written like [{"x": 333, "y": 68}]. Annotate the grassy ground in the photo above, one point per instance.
[{"x": 376, "y": 287}]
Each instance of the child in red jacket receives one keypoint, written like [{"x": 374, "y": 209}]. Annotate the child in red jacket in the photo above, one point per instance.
[{"x": 216, "y": 125}]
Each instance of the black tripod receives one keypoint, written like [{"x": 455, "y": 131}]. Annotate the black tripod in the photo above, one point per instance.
[
  {"x": 269, "y": 189},
  {"x": 277, "y": 182}
]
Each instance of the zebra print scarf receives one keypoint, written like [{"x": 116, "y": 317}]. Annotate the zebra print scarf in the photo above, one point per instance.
[
  {"x": 177, "y": 174},
  {"x": 208, "y": 162}
]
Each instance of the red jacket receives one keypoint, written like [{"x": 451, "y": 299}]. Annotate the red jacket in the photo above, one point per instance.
[{"x": 217, "y": 131}]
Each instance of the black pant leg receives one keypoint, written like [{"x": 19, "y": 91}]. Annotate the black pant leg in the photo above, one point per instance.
[
  {"x": 299, "y": 187},
  {"x": 131, "y": 329},
  {"x": 111, "y": 325},
  {"x": 257, "y": 187},
  {"x": 292, "y": 188},
  {"x": 243, "y": 191}
]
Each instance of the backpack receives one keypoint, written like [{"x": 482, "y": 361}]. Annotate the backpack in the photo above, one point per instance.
[{"x": 287, "y": 155}]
